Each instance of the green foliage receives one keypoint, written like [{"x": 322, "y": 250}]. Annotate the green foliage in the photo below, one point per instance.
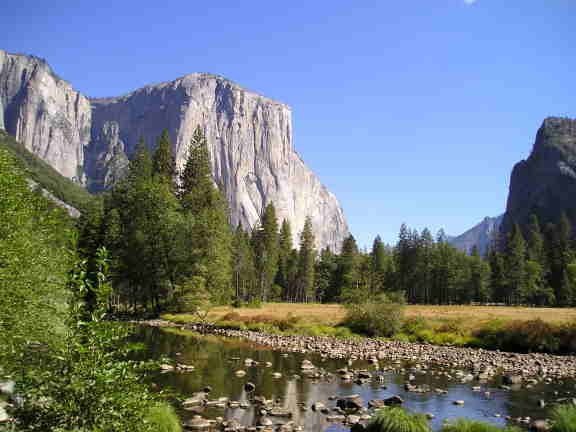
[
  {"x": 564, "y": 419},
  {"x": 528, "y": 336},
  {"x": 397, "y": 420},
  {"x": 306, "y": 259},
  {"x": 35, "y": 255},
  {"x": 381, "y": 317},
  {"x": 265, "y": 242},
  {"x": 467, "y": 425},
  {"x": 348, "y": 288},
  {"x": 163, "y": 164},
  {"x": 42, "y": 173},
  {"x": 162, "y": 418}
]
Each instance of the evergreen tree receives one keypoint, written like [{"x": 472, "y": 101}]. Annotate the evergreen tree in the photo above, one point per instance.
[
  {"x": 325, "y": 273},
  {"x": 379, "y": 266},
  {"x": 515, "y": 266},
  {"x": 284, "y": 251},
  {"x": 163, "y": 163},
  {"x": 535, "y": 242},
  {"x": 212, "y": 254},
  {"x": 265, "y": 242},
  {"x": 306, "y": 261},
  {"x": 348, "y": 273},
  {"x": 479, "y": 282},
  {"x": 244, "y": 278}
]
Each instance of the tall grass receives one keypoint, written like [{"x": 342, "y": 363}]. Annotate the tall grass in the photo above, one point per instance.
[
  {"x": 398, "y": 420},
  {"x": 564, "y": 419},
  {"x": 163, "y": 418}
]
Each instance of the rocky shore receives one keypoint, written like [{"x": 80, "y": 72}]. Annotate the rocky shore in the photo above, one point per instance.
[{"x": 483, "y": 364}]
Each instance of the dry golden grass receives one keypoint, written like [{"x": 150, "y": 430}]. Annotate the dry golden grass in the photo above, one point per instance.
[{"x": 469, "y": 316}]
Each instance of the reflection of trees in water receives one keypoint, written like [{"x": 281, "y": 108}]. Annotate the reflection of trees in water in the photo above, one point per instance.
[{"x": 214, "y": 366}]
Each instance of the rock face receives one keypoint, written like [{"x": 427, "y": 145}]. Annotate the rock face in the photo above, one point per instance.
[
  {"x": 545, "y": 183},
  {"x": 480, "y": 235},
  {"x": 44, "y": 113},
  {"x": 250, "y": 139}
]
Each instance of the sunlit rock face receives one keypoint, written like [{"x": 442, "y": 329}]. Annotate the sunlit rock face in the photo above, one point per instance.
[
  {"x": 250, "y": 139},
  {"x": 44, "y": 113}
]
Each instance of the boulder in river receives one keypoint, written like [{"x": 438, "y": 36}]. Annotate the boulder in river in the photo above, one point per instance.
[
  {"x": 197, "y": 423},
  {"x": 249, "y": 387},
  {"x": 352, "y": 402},
  {"x": 393, "y": 401}
]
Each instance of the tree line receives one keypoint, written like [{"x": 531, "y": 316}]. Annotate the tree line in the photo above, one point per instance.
[{"x": 172, "y": 247}]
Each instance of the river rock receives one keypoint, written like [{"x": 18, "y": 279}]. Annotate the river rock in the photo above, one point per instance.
[
  {"x": 240, "y": 373},
  {"x": 249, "y": 387},
  {"x": 352, "y": 402},
  {"x": 540, "y": 426},
  {"x": 393, "y": 401},
  {"x": 307, "y": 365},
  {"x": 376, "y": 403},
  {"x": 196, "y": 400},
  {"x": 197, "y": 423}
]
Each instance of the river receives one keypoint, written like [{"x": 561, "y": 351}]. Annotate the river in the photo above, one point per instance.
[{"x": 216, "y": 360}]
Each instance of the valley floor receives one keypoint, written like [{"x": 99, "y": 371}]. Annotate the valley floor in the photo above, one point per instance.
[{"x": 333, "y": 314}]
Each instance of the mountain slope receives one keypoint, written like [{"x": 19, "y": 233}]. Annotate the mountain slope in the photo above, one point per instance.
[
  {"x": 480, "y": 235},
  {"x": 91, "y": 140},
  {"x": 63, "y": 190}
]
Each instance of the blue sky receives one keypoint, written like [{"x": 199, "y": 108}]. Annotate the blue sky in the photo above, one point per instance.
[{"x": 409, "y": 111}]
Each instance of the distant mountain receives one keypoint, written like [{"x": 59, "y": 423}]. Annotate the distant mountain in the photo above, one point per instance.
[
  {"x": 480, "y": 235},
  {"x": 545, "y": 183}
]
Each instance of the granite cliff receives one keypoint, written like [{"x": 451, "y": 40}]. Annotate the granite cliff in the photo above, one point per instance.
[
  {"x": 91, "y": 140},
  {"x": 545, "y": 183}
]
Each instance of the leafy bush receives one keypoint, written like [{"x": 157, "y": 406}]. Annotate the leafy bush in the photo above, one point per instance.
[
  {"x": 564, "y": 418},
  {"x": 398, "y": 420},
  {"x": 162, "y": 418},
  {"x": 523, "y": 336},
  {"x": 380, "y": 318}
]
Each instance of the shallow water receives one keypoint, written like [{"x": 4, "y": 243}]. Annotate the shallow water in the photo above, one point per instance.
[{"x": 216, "y": 359}]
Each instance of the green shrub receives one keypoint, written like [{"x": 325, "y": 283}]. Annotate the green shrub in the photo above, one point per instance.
[
  {"x": 397, "y": 420},
  {"x": 467, "y": 425},
  {"x": 564, "y": 419},
  {"x": 524, "y": 336},
  {"x": 162, "y": 418},
  {"x": 375, "y": 318}
]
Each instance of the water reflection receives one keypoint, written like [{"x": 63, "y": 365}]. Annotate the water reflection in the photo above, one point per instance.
[{"x": 216, "y": 360}]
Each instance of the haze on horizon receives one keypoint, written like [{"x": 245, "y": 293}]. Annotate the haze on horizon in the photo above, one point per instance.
[{"x": 408, "y": 111}]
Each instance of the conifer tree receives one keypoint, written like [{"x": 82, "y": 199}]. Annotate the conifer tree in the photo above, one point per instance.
[
  {"x": 284, "y": 251},
  {"x": 515, "y": 266},
  {"x": 211, "y": 231},
  {"x": 163, "y": 161},
  {"x": 306, "y": 261},
  {"x": 324, "y": 276},
  {"x": 348, "y": 277},
  {"x": 379, "y": 266},
  {"x": 265, "y": 241}
]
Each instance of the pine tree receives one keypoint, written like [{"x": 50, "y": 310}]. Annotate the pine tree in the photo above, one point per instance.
[
  {"x": 515, "y": 266},
  {"x": 325, "y": 274},
  {"x": 306, "y": 261},
  {"x": 535, "y": 241},
  {"x": 379, "y": 266},
  {"x": 284, "y": 251},
  {"x": 479, "y": 281},
  {"x": 141, "y": 164},
  {"x": 348, "y": 272},
  {"x": 265, "y": 243},
  {"x": 163, "y": 161},
  {"x": 244, "y": 278},
  {"x": 211, "y": 231},
  {"x": 196, "y": 178}
]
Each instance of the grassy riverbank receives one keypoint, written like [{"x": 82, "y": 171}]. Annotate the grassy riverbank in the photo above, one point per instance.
[{"x": 494, "y": 327}]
